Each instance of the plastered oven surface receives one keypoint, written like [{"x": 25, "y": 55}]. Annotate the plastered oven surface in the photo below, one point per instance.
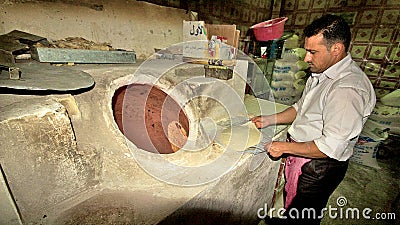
[{"x": 83, "y": 168}]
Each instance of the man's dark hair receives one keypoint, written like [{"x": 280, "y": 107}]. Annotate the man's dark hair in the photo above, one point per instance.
[{"x": 334, "y": 28}]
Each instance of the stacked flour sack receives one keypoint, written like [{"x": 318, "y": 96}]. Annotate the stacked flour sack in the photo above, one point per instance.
[
  {"x": 387, "y": 112},
  {"x": 383, "y": 121},
  {"x": 289, "y": 76}
]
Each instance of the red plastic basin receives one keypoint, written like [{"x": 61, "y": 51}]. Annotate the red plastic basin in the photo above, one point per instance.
[{"x": 270, "y": 29}]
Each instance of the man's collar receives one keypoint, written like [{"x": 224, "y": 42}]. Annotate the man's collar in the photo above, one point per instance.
[{"x": 337, "y": 68}]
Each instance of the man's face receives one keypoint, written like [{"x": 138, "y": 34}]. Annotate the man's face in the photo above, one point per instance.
[{"x": 318, "y": 56}]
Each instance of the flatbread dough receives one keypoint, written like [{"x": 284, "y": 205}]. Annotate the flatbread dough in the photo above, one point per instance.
[
  {"x": 177, "y": 136},
  {"x": 239, "y": 137}
]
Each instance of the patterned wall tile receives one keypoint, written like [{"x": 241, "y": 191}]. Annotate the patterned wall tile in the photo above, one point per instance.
[
  {"x": 289, "y": 21},
  {"x": 227, "y": 11},
  {"x": 381, "y": 92},
  {"x": 319, "y": 4},
  {"x": 372, "y": 69},
  {"x": 393, "y": 3},
  {"x": 390, "y": 16},
  {"x": 373, "y": 79},
  {"x": 392, "y": 71},
  {"x": 237, "y": 14},
  {"x": 263, "y": 4},
  {"x": 303, "y": 4},
  {"x": 301, "y": 19},
  {"x": 363, "y": 35},
  {"x": 261, "y": 17},
  {"x": 275, "y": 15},
  {"x": 387, "y": 84},
  {"x": 267, "y": 4},
  {"x": 333, "y": 4},
  {"x": 349, "y": 16},
  {"x": 395, "y": 54},
  {"x": 353, "y": 3},
  {"x": 373, "y": 2},
  {"x": 383, "y": 35},
  {"x": 174, "y": 3},
  {"x": 375, "y": 32},
  {"x": 289, "y": 4},
  {"x": 217, "y": 12},
  {"x": 277, "y": 6},
  {"x": 299, "y": 32},
  {"x": 369, "y": 17},
  {"x": 358, "y": 51},
  {"x": 336, "y": 3},
  {"x": 360, "y": 63},
  {"x": 314, "y": 16},
  {"x": 246, "y": 15},
  {"x": 377, "y": 52},
  {"x": 377, "y": 82},
  {"x": 253, "y": 17}
]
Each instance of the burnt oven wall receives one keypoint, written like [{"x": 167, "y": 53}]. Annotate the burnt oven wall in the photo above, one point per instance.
[{"x": 150, "y": 118}]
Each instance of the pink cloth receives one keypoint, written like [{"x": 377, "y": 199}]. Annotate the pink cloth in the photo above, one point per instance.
[{"x": 292, "y": 174}]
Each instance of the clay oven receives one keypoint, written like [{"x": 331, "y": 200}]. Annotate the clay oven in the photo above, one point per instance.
[{"x": 150, "y": 118}]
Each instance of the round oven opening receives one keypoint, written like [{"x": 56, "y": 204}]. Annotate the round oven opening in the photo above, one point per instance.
[{"x": 150, "y": 118}]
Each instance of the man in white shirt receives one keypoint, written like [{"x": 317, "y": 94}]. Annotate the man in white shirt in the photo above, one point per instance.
[{"x": 326, "y": 121}]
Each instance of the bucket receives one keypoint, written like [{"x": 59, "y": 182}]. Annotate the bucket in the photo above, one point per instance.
[{"x": 270, "y": 29}]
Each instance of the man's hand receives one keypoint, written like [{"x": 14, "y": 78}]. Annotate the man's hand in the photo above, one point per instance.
[
  {"x": 285, "y": 117},
  {"x": 276, "y": 148},
  {"x": 261, "y": 121}
]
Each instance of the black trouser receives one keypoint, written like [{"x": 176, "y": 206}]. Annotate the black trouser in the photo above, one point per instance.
[{"x": 318, "y": 180}]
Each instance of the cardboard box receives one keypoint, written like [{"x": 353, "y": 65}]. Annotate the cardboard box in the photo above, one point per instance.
[
  {"x": 227, "y": 31},
  {"x": 205, "y": 43}
]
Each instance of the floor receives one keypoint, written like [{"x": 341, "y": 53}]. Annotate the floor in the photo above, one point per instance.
[{"x": 365, "y": 187}]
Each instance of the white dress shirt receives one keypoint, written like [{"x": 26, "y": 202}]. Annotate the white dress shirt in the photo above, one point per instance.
[{"x": 333, "y": 113}]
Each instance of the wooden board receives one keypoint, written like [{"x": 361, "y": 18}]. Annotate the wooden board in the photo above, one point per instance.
[
  {"x": 207, "y": 61},
  {"x": 237, "y": 35}
]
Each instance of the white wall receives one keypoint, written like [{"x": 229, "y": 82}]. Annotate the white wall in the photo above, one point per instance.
[{"x": 129, "y": 25}]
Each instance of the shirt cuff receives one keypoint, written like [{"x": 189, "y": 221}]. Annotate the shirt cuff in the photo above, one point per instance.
[{"x": 295, "y": 106}]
